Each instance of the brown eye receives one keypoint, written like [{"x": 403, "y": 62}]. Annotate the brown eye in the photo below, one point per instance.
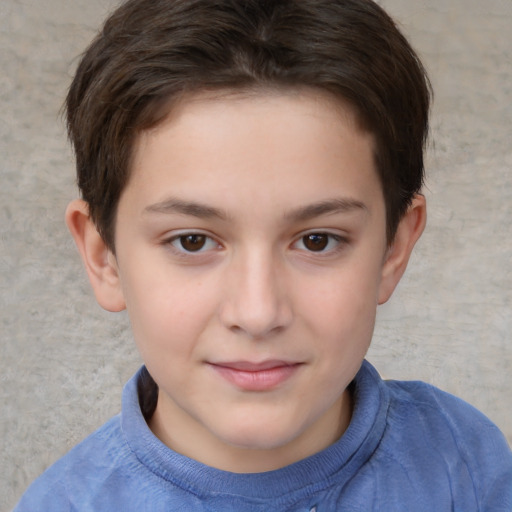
[
  {"x": 316, "y": 241},
  {"x": 193, "y": 242}
]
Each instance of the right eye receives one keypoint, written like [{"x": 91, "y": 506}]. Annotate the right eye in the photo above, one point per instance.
[{"x": 193, "y": 243}]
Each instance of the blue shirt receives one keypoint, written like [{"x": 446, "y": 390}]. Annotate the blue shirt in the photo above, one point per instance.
[{"x": 409, "y": 447}]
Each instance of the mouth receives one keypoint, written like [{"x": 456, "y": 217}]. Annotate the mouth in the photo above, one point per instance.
[{"x": 252, "y": 376}]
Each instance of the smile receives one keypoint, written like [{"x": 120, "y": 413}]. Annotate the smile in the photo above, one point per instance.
[{"x": 249, "y": 376}]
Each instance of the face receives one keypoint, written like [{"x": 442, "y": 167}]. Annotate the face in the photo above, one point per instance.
[{"x": 250, "y": 248}]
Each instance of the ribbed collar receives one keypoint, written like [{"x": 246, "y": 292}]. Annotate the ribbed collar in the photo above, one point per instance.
[{"x": 332, "y": 466}]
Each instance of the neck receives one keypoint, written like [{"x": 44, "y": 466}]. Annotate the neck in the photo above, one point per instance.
[{"x": 193, "y": 440}]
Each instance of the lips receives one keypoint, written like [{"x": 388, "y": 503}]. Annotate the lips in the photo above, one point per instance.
[{"x": 252, "y": 376}]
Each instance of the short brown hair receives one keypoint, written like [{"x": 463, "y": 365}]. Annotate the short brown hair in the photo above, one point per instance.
[{"x": 151, "y": 52}]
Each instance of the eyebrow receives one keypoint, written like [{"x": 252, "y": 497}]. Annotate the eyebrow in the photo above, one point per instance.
[
  {"x": 179, "y": 206},
  {"x": 327, "y": 207},
  {"x": 303, "y": 213}
]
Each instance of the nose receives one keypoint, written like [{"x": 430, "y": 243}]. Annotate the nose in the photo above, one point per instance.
[{"x": 257, "y": 301}]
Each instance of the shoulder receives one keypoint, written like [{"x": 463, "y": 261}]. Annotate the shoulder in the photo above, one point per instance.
[
  {"x": 89, "y": 461},
  {"x": 419, "y": 401},
  {"x": 445, "y": 428}
]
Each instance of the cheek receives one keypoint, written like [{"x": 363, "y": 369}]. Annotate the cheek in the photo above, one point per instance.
[
  {"x": 341, "y": 319},
  {"x": 346, "y": 301},
  {"x": 167, "y": 314}
]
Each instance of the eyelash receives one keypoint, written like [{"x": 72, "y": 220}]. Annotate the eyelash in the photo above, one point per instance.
[
  {"x": 337, "y": 240},
  {"x": 176, "y": 243},
  {"x": 316, "y": 237}
]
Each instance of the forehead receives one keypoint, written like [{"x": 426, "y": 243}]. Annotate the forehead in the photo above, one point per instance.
[
  {"x": 302, "y": 100},
  {"x": 215, "y": 144}
]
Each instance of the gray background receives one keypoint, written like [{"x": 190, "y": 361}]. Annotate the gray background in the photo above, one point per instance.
[{"x": 63, "y": 360}]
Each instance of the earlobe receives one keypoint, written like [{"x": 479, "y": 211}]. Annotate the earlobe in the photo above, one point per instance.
[
  {"x": 409, "y": 231},
  {"x": 99, "y": 261}
]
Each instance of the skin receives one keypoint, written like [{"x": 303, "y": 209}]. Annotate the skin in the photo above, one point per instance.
[{"x": 285, "y": 263}]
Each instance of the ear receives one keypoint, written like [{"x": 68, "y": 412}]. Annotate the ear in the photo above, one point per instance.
[
  {"x": 409, "y": 230},
  {"x": 100, "y": 262}
]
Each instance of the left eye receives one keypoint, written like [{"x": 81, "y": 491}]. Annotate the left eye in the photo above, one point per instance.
[
  {"x": 193, "y": 242},
  {"x": 318, "y": 242}
]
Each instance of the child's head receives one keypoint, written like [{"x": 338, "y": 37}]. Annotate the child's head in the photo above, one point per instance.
[
  {"x": 250, "y": 171},
  {"x": 151, "y": 53}
]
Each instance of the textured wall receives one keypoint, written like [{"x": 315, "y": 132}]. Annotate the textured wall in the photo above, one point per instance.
[{"x": 63, "y": 361}]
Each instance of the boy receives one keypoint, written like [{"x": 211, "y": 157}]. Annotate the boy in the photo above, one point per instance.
[{"x": 251, "y": 179}]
